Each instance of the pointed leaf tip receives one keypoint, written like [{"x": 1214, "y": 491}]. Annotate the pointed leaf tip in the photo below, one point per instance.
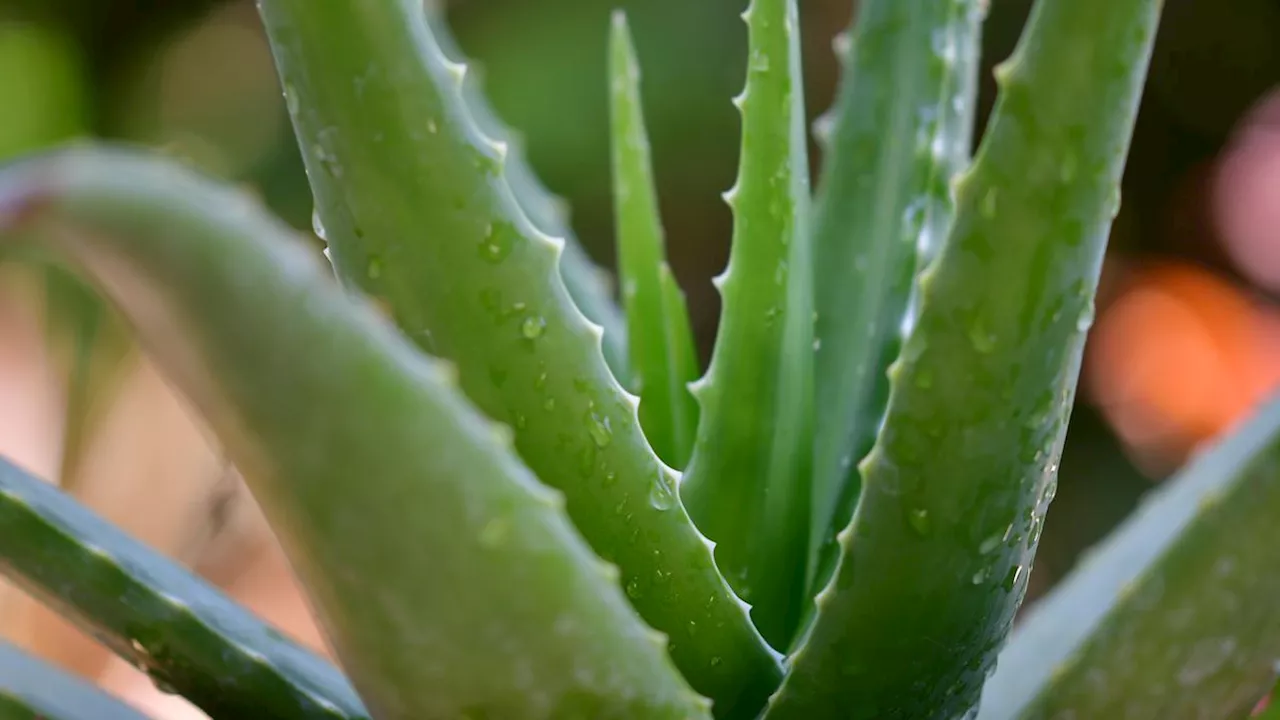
[
  {"x": 747, "y": 485},
  {"x": 663, "y": 356}
]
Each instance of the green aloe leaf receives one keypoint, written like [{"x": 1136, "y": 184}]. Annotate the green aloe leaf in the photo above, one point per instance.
[
  {"x": 934, "y": 564},
  {"x": 448, "y": 579},
  {"x": 187, "y": 636},
  {"x": 418, "y": 214},
  {"x": 747, "y": 486},
  {"x": 883, "y": 207},
  {"x": 588, "y": 284},
  {"x": 662, "y": 351},
  {"x": 31, "y": 689},
  {"x": 1174, "y": 614}
]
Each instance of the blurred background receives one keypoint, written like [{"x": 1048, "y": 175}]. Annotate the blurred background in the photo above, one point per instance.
[{"x": 1186, "y": 343}]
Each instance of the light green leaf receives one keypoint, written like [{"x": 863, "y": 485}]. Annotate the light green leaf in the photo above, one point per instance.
[
  {"x": 449, "y": 580},
  {"x": 418, "y": 213},
  {"x": 747, "y": 486},
  {"x": 662, "y": 350},
  {"x": 1173, "y": 615},
  {"x": 898, "y": 134},
  {"x": 588, "y": 284},
  {"x": 934, "y": 564}
]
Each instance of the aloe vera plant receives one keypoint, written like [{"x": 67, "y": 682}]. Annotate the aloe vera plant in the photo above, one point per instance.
[{"x": 488, "y": 521}]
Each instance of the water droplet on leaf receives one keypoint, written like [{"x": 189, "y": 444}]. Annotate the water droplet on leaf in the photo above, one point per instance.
[
  {"x": 661, "y": 496},
  {"x": 494, "y": 533},
  {"x": 981, "y": 339},
  {"x": 496, "y": 245},
  {"x": 599, "y": 429},
  {"x": 532, "y": 327},
  {"x": 918, "y": 519}
]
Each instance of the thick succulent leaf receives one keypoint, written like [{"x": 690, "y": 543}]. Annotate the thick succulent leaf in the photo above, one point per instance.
[
  {"x": 747, "y": 485},
  {"x": 186, "y": 635},
  {"x": 663, "y": 357},
  {"x": 417, "y": 213},
  {"x": 899, "y": 132},
  {"x": 935, "y": 562},
  {"x": 1173, "y": 616},
  {"x": 31, "y": 689},
  {"x": 448, "y": 579},
  {"x": 588, "y": 284}
]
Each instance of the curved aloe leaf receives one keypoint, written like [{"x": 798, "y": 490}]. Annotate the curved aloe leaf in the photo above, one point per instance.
[
  {"x": 187, "y": 636},
  {"x": 935, "y": 562},
  {"x": 447, "y": 578},
  {"x": 418, "y": 213},
  {"x": 588, "y": 284},
  {"x": 883, "y": 206},
  {"x": 747, "y": 486},
  {"x": 32, "y": 689},
  {"x": 1174, "y": 614},
  {"x": 663, "y": 357}
]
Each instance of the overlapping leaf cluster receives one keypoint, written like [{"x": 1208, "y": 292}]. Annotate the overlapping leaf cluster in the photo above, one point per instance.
[{"x": 837, "y": 519}]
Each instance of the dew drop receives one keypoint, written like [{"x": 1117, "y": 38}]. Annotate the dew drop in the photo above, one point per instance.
[
  {"x": 759, "y": 62},
  {"x": 990, "y": 544},
  {"x": 918, "y": 519},
  {"x": 496, "y": 245},
  {"x": 944, "y": 46},
  {"x": 374, "y": 268},
  {"x": 494, "y": 533},
  {"x": 291, "y": 99},
  {"x": 661, "y": 497},
  {"x": 981, "y": 339},
  {"x": 990, "y": 202},
  {"x": 1085, "y": 320},
  {"x": 549, "y": 405},
  {"x": 979, "y": 577},
  {"x": 1113, "y": 203},
  {"x": 1011, "y": 579},
  {"x": 824, "y": 127},
  {"x": 633, "y": 589},
  {"x": 533, "y": 327},
  {"x": 317, "y": 225},
  {"x": 599, "y": 429},
  {"x": 327, "y": 160}
]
